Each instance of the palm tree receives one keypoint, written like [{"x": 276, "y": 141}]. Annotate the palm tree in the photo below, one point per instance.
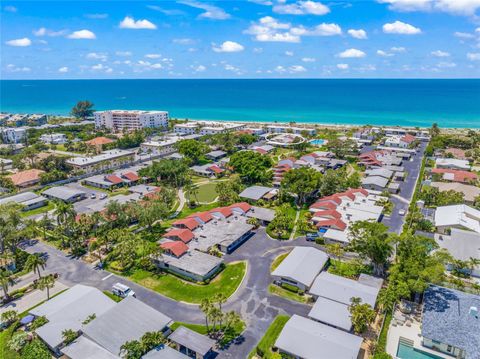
[
  {"x": 44, "y": 223},
  {"x": 34, "y": 263},
  {"x": 206, "y": 307},
  {"x": 151, "y": 340},
  {"x": 64, "y": 212},
  {"x": 47, "y": 283},
  {"x": 131, "y": 350},
  {"x": 6, "y": 280}
]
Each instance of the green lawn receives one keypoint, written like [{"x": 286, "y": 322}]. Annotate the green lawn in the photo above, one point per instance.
[
  {"x": 287, "y": 294},
  {"x": 231, "y": 334},
  {"x": 225, "y": 282},
  {"x": 277, "y": 261},
  {"x": 5, "y": 336},
  {"x": 264, "y": 347},
  {"x": 206, "y": 193},
  {"x": 112, "y": 296},
  {"x": 50, "y": 205}
]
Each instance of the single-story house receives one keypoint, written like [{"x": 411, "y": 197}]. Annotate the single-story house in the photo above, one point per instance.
[
  {"x": 452, "y": 163},
  {"x": 457, "y": 216},
  {"x": 191, "y": 343},
  {"x": 65, "y": 194},
  {"x": 455, "y": 175},
  {"x": 104, "y": 181},
  {"x": 305, "y": 338},
  {"x": 5, "y": 165},
  {"x": 255, "y": 193},
  {"x": 67, "y": 311},
  {"x": 394, "y": 187},
  {"x": 375, "y": 183},
  {"x": 456, "y": 153},
  {"x": 399, "y": 175},
  {"x": 143, "y": 189},
  {"x": 216, "y": 155},
  {"x": 382, "y": 172},
  {"x": 300, "y": 267},
  {"x": 207, "y": 170},
  {"x": 264, "y": 215},
  {"x": 469, "y": 192},
  {"x": 450, "y": 322},
  {"x": 164, "y": 352},
  {"x": 28, "y": 200},
  {"x": 26, "y": 178}
]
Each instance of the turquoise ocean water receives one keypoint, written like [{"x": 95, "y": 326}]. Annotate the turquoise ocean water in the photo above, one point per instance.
[{"x": 450, "y": 103}]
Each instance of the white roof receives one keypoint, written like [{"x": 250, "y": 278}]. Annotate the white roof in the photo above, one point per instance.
[
  {"x": 302, "y": 265},
  {"x": 332, "y": 313},
  {"x": 84, "y": 348},
  {"x": 104, "y": 156},
  {"x": 342, "y": 289},
  {"x": 452, "y": 162},
  {"x": 375, "y": 180},
  {"x": 308, "y": 339},
  {"x": 458, "y": 215}
]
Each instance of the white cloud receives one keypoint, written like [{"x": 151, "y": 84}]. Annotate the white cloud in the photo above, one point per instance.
[
  {"x": 96, "y": 56},
  {"x": 262, "y": 2},
  {"x": 228, "y": 46},
  {"x": 456, "y": 7},
  {"x": 198, "y": 68},
  {"x": 23, "y": 42},
  {"x": 398, "y": 49},
  {"x": 308, "y": 59},
  {"x": 351, "y": 53},
  {"x": 342, "y": 66},
  {"x": 46, "y": 32},
  {"x": 96, "y": 16},
  {"x": 384, "y": 53},
  {"x": 131, "y": 23},
  {"x": 463, "y": 35},
  {"x": 358, "y": 34},
  {"x": 440, "y": 53},
  {"x": 280, "y": 69},
  {"x": 297, "y": 68},
  {"x": 302, "y": 8},
  {"x": 183, "y": 41},
  {"x": 402, "y": 28},
  {"x": 210, "y": 11},
  {"x": 153, "y": 56},
  {"x": 123, "y": 53},
  {"x": 10, "y": 8},
  {"x": 232, "y": 68},
  {"x": 473, "y": 56},
  {"x": 319, "y": 30},
  {"x": 14, "y": 68},
  {"x": 257, "y": 50},
  {"x": 446, "y": 64},
  {"x": 174, "y": 12},
  {"x": 63, "y": 69},
  {"x": 289, "y": 53},
  {"x": 82, "y": 34}
]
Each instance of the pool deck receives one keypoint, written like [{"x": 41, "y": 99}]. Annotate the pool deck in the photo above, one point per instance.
[{"x": 409, "y": 329}]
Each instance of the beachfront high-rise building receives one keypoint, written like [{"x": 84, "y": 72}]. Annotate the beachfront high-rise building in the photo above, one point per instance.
[{"x": 130, "y": 120}]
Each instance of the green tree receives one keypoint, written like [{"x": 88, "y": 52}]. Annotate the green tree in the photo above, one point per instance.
[
  {"x": 36, "y": 350},
  {"x": 206, "y": 307},
  {"x": 131, "y": 350},
  {"x": 82, "y": 110},
  {"x": 362, "y": 315},
  {"x": 44, "y": 223},
  {"x": 301, "y": 182},
  {"x": 6, "y": 280},
  {"x": 372, "y": 241},
  {"x": 228, "y": 190},
  {"x": 18, "y": 341},
  {"x": 34, "y": 263},
  {"x": 193, "y": 150},
  {"x": 151, "y": 340},
  {"x": 10, "y": 316},
  {"x": 252, "y": 166},
  {"x": 64, "y": 212},
  {"x": 46, "y": 283},
  {"x": 69, "y": 335},
  {"x": 168, "y": 172}
]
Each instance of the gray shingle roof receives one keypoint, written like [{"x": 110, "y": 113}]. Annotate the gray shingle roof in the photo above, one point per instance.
[
  {"x": 200, "y": 344},
  {"x": 127, "y": 320},
  {"x": 302, "y": 265},
  {"x": 446, "y": 318},
  {"x": 24, "y": 198},
  {"x": 312, "y": 340},
  {"x": 164, "y": 352},
  {"x": 330, "y": 312},
  {"x": 255, "y": 192},
  {"x": 63, "y": 193},
  {"x": 84, "y": 348}
]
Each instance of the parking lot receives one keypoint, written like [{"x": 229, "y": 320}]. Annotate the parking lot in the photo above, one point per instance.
[{"x": 82, "y": 206}]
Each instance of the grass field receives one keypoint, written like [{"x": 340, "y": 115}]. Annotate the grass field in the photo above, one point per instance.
[
  {"x": 277, "y": 261},
  {"x": 284, "y": 293},
  {"x": 264, "y": 347},
  {"x": 206, "y": 193},
  {"x": 50, "y": 205},
  {"x": 5, "y": 352},
  {"x": 225, "y": 282}
]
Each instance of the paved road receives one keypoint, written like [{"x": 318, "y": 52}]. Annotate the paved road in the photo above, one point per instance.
[{"x": 257, "y": 307}]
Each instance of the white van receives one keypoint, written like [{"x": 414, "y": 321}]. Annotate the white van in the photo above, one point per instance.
[{"x": 122, "y": 291}]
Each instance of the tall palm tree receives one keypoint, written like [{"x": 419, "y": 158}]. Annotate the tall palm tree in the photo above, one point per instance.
[
  {"x": 64, "y": 212},
  {"x": 44, "y": 223},
  {"x": 47, "y": 282},
  {"x": 35, "y": 263},
  {"x": 6, "y": 280}
]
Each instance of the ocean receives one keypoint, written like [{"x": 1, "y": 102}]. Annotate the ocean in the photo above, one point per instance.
[{"x": 450, "y": 103}]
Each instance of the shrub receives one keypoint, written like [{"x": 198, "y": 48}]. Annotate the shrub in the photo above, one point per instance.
[
  {"x": 36, "y": 350},
  {"x": 290, "y": 287},
  {"x": 38, "y": 322},
  {"x": 18, "y": 341}
]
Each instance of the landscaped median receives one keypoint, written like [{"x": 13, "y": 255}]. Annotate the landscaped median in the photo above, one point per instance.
[
  {"x": 264, "y": 347},
  {"x": 231, "y": 334},
  {"x": 169, "y": 285}
]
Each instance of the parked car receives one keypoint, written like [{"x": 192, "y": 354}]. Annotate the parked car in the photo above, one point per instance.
[
  {"x": 312, "y": 236},
  {"x": 401, "y": 212},
  {"x": 93, "y": 195},
  {"x": 103, "y": 196},
  {"x": 122, "y": 290}
]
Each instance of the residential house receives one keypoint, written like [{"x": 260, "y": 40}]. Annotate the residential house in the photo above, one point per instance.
[
  {"x": 255, "y": 193},
  {"x": 469, "y": 192},
  {"x": 452, "y": 163},
  {"x": 455, "y": 175},
  {"x": 193, "y": 344},
  {"x": 458, "y": 216},
  {"x": 216, "y": 155},
  {"x": 28, "y": 200},
  {"x": 65, "y": 194},
  {"x": 207, "y": 170},
  {"x": 375, "y": 183},
  {"x": 26, "y": 178},
  {"x": 103, "y": 161}
]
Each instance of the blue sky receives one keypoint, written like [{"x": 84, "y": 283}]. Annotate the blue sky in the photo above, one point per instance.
[{"x": 240, "y": 39}]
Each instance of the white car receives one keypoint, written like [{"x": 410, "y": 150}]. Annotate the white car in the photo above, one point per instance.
[
  {"x": 401, "y": 212},
  {"x": 103, "y": 196},
  {"x": 122, "y": 290},
  {"x": 93, "y": 195}
]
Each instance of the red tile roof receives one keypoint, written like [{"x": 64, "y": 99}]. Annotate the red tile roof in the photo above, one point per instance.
[
  {"x": 189, "y": 223},
  {"x": 176, "y": 248},
  {"x": 408, "y": 138},
  {"x": 204, "y": 216},
  {"x": 185, "y": 235},
  {"x": 458, "y": 175},
  {"x": 131, "y": 176},
  {"x": 332, "y": 223},
  {"x": 456, "y": 152},
  {"x": 113, "y": 179},
  {"x": 244, "y": 206},
  {"x": 215, "y": 169},
  {"x": 99, "y": 141},
  {"x": 323, "y": 204},
  {"x": 328, "y": 213},
  {"x": 226, "y": 211},
  {"x": 25, "y": 177}
]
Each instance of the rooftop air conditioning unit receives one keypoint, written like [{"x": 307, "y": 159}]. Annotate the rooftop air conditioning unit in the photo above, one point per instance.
[{"x": 473, "y": 311}]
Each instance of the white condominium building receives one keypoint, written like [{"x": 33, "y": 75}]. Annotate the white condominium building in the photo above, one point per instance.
[
  {"x": 129, "y": 120},
  {"x": 13, "y": 135}
]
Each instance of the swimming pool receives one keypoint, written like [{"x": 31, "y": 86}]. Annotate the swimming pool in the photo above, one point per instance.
[
  {"x": 317, "y": 142},
  {"x": 406, "y": 351}
]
